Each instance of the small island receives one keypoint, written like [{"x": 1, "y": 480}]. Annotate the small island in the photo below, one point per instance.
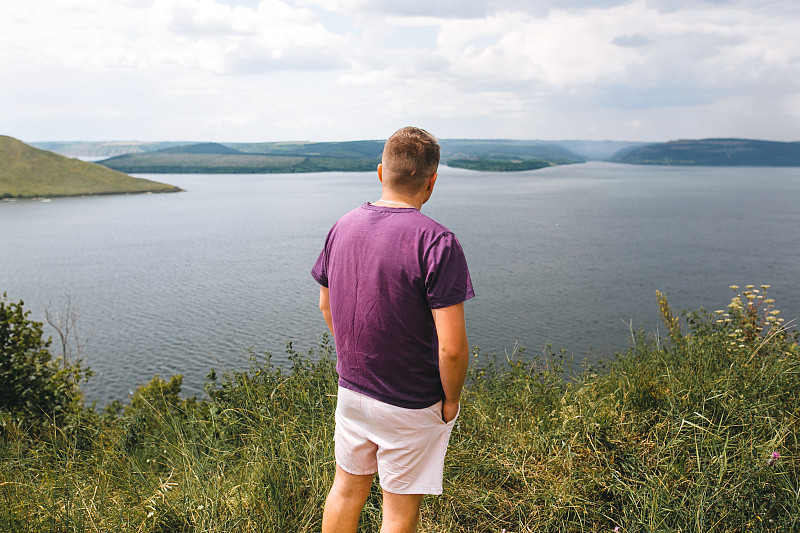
[
  {"x": 498, "y": 164},
  {"x": 28, "y": 172}
]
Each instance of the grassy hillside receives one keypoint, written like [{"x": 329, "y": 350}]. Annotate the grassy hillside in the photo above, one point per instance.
[
  {"x": 27, "y": 172},
  {"x": 713, "y": 152},
  {"x": 697, "y": 430}
]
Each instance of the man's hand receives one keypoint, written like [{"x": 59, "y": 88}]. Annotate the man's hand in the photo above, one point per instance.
[{"x": 449, "y": 411}]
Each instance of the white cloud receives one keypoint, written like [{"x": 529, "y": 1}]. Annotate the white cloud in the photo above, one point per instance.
[
  {"x": 166, "y": 34},
  {"x": 351, "y": 68},
  {"x": 406, "y": 8}
]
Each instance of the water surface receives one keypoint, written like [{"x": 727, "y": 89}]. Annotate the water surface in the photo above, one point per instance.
[{"x": 571, "y": 256}]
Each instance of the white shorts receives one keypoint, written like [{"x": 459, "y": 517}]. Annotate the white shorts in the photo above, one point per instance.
[{"x": 406, "y": 447}]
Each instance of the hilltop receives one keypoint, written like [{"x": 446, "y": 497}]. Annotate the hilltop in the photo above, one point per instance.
[
  {"x": 713, "y": 152},
  {"x": 27, "y": 172}
]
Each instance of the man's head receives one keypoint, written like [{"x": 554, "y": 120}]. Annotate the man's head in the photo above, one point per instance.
[{"x": 410, "y": 159}]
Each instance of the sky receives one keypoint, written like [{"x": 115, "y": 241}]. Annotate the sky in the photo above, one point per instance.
[{"x": 337, "y": 70}]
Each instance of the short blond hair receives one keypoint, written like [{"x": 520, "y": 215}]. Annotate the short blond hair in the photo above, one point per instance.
[{"x": 410, "y": 158}]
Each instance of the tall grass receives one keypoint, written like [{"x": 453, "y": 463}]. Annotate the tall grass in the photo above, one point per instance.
[{"x": 676, "y": 434}]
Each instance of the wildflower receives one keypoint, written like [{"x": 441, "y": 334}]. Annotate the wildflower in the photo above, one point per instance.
[
  {"x": 616, "y": 529},
  {"x": 735, "y": 287},
  {"x": 774, "y": 457}
]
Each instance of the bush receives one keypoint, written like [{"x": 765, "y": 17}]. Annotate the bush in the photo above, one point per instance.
[{"x": 34, "y": 383}]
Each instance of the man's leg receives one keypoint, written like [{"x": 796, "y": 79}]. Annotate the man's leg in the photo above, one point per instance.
[
  {"x": 345, "y": 501},
  {"x": 400, "y": 512}
]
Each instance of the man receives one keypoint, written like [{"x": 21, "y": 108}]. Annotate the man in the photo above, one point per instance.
[{"x": 393, "y": 286}]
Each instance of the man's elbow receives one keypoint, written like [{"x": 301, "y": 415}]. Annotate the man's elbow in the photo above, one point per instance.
[{"x": 454, "y": 352}]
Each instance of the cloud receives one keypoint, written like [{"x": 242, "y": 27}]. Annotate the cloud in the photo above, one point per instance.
[
  {"x": 277, "y": 68},
  {"x": 631, "y": 41},
  {"x": 406, "y": 8},
  {"x": 168, "y": 34}
]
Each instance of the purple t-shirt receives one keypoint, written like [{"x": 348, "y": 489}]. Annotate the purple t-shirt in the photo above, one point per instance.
[{"x": 385, "y": 269}]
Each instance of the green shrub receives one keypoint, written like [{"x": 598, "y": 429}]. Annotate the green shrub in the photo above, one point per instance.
[{"x": 34, "y": 383}]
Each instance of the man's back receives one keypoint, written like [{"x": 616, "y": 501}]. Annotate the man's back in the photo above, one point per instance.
[{"x": 386, "y": 268}]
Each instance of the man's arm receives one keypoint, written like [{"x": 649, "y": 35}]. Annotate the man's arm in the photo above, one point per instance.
[
  {"x": 451, "y": 329},
  {"x": 325, "y": 306}
]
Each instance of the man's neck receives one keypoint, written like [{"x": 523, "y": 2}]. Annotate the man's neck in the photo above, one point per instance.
[
  {"x": 397, "y": 203},
  {"x": 399, "y": 200}
]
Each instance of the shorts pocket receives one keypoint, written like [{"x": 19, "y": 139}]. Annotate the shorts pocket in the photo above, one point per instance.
[{"x": 436, "y": 410}]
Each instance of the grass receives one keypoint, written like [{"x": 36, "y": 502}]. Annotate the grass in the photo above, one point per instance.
[
  {"x": 675, "y": 434},
  {"x": 29, "y": 172}
]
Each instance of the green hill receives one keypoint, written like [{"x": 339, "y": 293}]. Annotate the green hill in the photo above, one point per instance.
[
  {"x": 713, "y": 152},
  {"x": 27, "y": 172},
  {"x": 201, "y": 148}
]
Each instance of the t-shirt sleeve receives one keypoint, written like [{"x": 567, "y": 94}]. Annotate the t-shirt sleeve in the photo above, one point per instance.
[
  {"x": 320, "y": 270},
  {"x": 447, "y": 280}
]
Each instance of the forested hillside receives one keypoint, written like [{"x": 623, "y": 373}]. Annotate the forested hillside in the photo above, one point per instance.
[{"x": 713, "y": 152}]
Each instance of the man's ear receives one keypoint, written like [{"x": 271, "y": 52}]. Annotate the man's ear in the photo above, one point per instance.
[
  {"x": 380, "y": 172},
  {"x": 429, "y": 187},
  {"x": 432, "y": 182}
]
